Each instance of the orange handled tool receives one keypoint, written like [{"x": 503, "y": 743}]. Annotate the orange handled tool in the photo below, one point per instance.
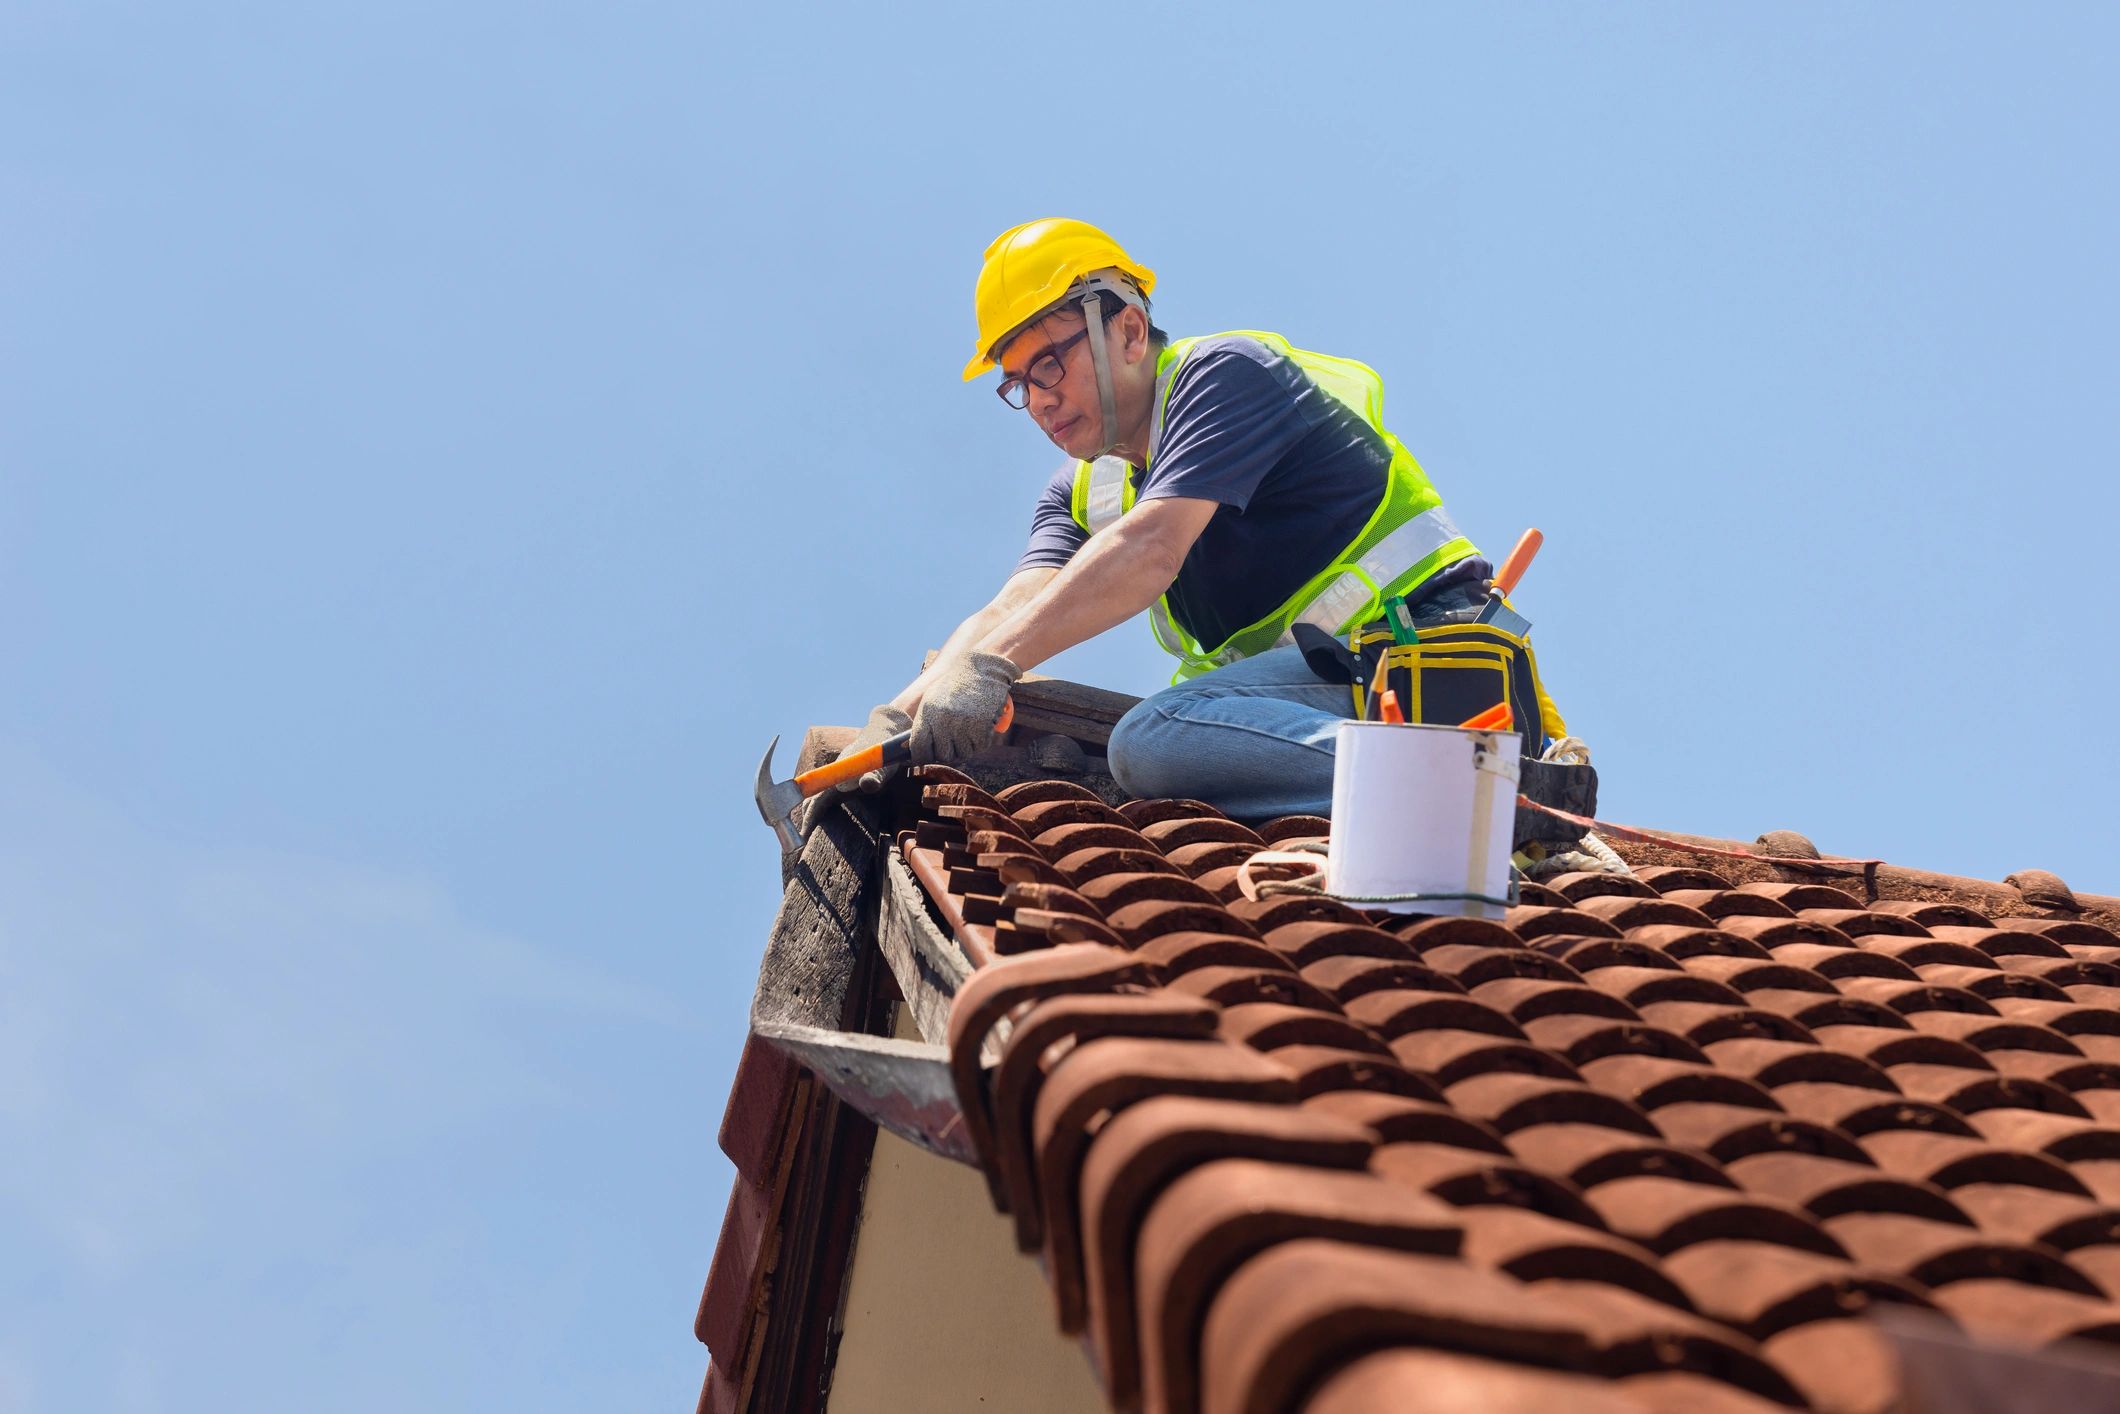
[
  {"x": 1495, "y": 718},
  {"x": 777, "y": 800},
  {"x": 1498, "y": 613}
]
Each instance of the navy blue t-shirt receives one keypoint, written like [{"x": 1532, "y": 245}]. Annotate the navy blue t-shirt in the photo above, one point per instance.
[{"x": 1298, "y": 473}]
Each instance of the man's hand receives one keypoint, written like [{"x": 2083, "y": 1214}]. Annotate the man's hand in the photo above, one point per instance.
[
  {"x": 962, "y": 703},
  {"x": 884, "y": 721}
]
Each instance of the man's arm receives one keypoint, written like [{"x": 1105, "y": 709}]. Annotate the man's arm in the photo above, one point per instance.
[{"x": 1116, "y": 575}]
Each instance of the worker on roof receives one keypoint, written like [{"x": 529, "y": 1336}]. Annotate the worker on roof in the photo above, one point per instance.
[{"x": 1231, "y": 485}]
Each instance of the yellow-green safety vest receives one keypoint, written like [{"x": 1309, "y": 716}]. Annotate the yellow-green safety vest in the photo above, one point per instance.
[{"x": 1406, "y": 540}]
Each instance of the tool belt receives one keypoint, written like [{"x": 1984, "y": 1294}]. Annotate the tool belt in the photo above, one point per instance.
[{"x": 1452, "y": 670}]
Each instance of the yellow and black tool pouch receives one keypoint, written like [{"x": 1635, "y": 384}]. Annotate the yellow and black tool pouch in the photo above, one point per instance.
[{"x": 1454, "y": 670}]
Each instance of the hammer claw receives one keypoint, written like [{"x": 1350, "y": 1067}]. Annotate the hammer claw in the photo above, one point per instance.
[{"x": 777, "y": 801}]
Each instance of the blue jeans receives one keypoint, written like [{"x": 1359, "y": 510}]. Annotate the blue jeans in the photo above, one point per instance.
[{"x": 1253, "y": 739}]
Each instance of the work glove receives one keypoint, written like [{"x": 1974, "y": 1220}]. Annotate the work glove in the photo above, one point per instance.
[
  {"x": 961, "y": 705},
  {"x": 884, "y": 721}
]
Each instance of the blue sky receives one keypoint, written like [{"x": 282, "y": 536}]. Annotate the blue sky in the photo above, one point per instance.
[{"x": 440, "y": 445}]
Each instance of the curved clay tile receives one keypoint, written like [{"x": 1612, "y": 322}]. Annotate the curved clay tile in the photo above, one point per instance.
[
  {"x": 1938, "y": 1254},
  {"x": 2030, "y": 1315},
  {"x": 1933, "y": 915},
  {"x": 1580, "y": 1039},
  {"x": 1323, "y": 1070},
  {"x": 1425, "y": 933},
  {"x": 1680, "y": 941},
  {"x": 1526, "y": 999},
  {"x": 1889, "y": 1046},
  {"x": 1846, "y": 1366},
  {"x": 1058, "y": 843},
  {"x": 992, "y": 992},
  {"x": 1151, "y": 918},
  {"x": 1130, "y": 1163},
  {"x": 1394, "y": 1119},
  {"x": 1771, "y": 1063},
  {"x": 1720, "y": 904},
  {"x": 1534, "y": 1247},
  {"x": 1298, "y": 1311},
  {"x": 1511, "y": 1102},
  {"x": 1143, "y": 813},
  {"x": 1727, "y": 1133},
  {"x": 1472, "y": 964},
  {"x": 1858, "y": 1111},
  {"x": 1994, "y": 1033},
  {"x": 1652, "y": 1082},
  {"x": 1744, "y": 974},
  {"x": 1024, "y": 793},
  {"x": 1859, "y": 923},
  {"x": 1950, "y": 1160},
  {"x": 1281, "y": 910},
  {"x": 1577, "y": 887},
  {"x": 1827, "y": 1188},
  {"x": 1041, "y": 816},
  {"x": 1799, "y": 896},
  {"x": 1307, "y": 940},
  {"x": 1350, "y": 976},
  {"x": 1115, "y": 891},
  {"x": 1777, "y": 933},
  {"x": 1590, "y": 1154},
  {"x": 1395, "y": 1013},
  {"x": 1999, "y": 942},
  {"x": 1170, "y": 834},
  {"x": 1833, "y": 962},
  {"x": 1529, "y": 921},
  {"x": 1182, "y": 952},
  {"x": 1269, "y": 1026},
  {"x": 1968, "y": 1092},
  {"x": 1627, "y": 914},
  {"x": 1233, "y": 986},
  {"x": 1988, "y": 984},
  {"x": 1409, "y": 1380},
  {"x": 2062, "y": 1221},
  {"x": 1083, "y": 865},
  {"x": 1210, "y": 857},
  {"x": 1295, "y": 827},
  {"x": 1704, "y": 1023},
  {"x": 1103, "y": 1077},
  {"x": 1664, "y": 878},
  {"x": 1448, "y": 1056},
  {"x": 1466, "y": 1178},
  {"x": 1763, "y": 1289},
  {"x": 1665, "y": 1215},
  {"x": 1586, "y": 955},
  {"x": 1207, "y": 1223},
  {"x": 1632, "y": 1335}
]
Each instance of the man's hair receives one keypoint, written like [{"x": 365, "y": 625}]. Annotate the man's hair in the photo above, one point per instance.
[{"x": 1112, "y": 307}]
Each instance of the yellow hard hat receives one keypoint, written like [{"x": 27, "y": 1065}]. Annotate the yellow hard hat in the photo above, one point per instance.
[{"x": 1029, "y": 268}]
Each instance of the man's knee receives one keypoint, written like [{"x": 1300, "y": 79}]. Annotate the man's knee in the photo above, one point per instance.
[{"x": 1131, "y": 753}]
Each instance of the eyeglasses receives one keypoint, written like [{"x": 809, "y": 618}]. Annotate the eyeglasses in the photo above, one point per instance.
[{"x": 1046, "y": 371}]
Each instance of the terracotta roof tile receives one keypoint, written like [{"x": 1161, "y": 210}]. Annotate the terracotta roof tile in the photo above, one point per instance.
[{"x": 1653, "y": 1141}]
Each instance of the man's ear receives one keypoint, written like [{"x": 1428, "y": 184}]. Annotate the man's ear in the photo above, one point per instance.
[{"x": 1135, "y": 347}]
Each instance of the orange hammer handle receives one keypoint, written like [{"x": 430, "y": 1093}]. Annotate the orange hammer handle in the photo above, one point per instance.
[
  {"x": 888, "y": 752},
  {"x": 1519, "y": 560}
]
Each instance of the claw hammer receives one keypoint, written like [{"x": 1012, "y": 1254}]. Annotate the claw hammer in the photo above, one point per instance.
[{"x": 778, "y": 800}]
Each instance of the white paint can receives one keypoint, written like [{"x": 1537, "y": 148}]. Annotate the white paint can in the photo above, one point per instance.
[{"x": 1423, "y": 810}]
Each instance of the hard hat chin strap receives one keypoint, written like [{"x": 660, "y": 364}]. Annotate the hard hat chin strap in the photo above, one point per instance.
[{"x": 1100, "y": 359}]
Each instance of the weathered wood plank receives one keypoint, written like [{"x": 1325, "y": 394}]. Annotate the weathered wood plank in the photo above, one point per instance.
[{"x": 928, "y": 964}]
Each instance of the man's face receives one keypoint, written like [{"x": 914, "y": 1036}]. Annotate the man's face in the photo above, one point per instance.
[{"x": 1068, "y": 412}]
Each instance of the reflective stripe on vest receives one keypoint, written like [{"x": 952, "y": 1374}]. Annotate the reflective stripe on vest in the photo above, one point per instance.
[
  {"x": 1108, "y": 495},
  {"x": 1357, "y": 587},
  {"x": 1407, "y": 539}
]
